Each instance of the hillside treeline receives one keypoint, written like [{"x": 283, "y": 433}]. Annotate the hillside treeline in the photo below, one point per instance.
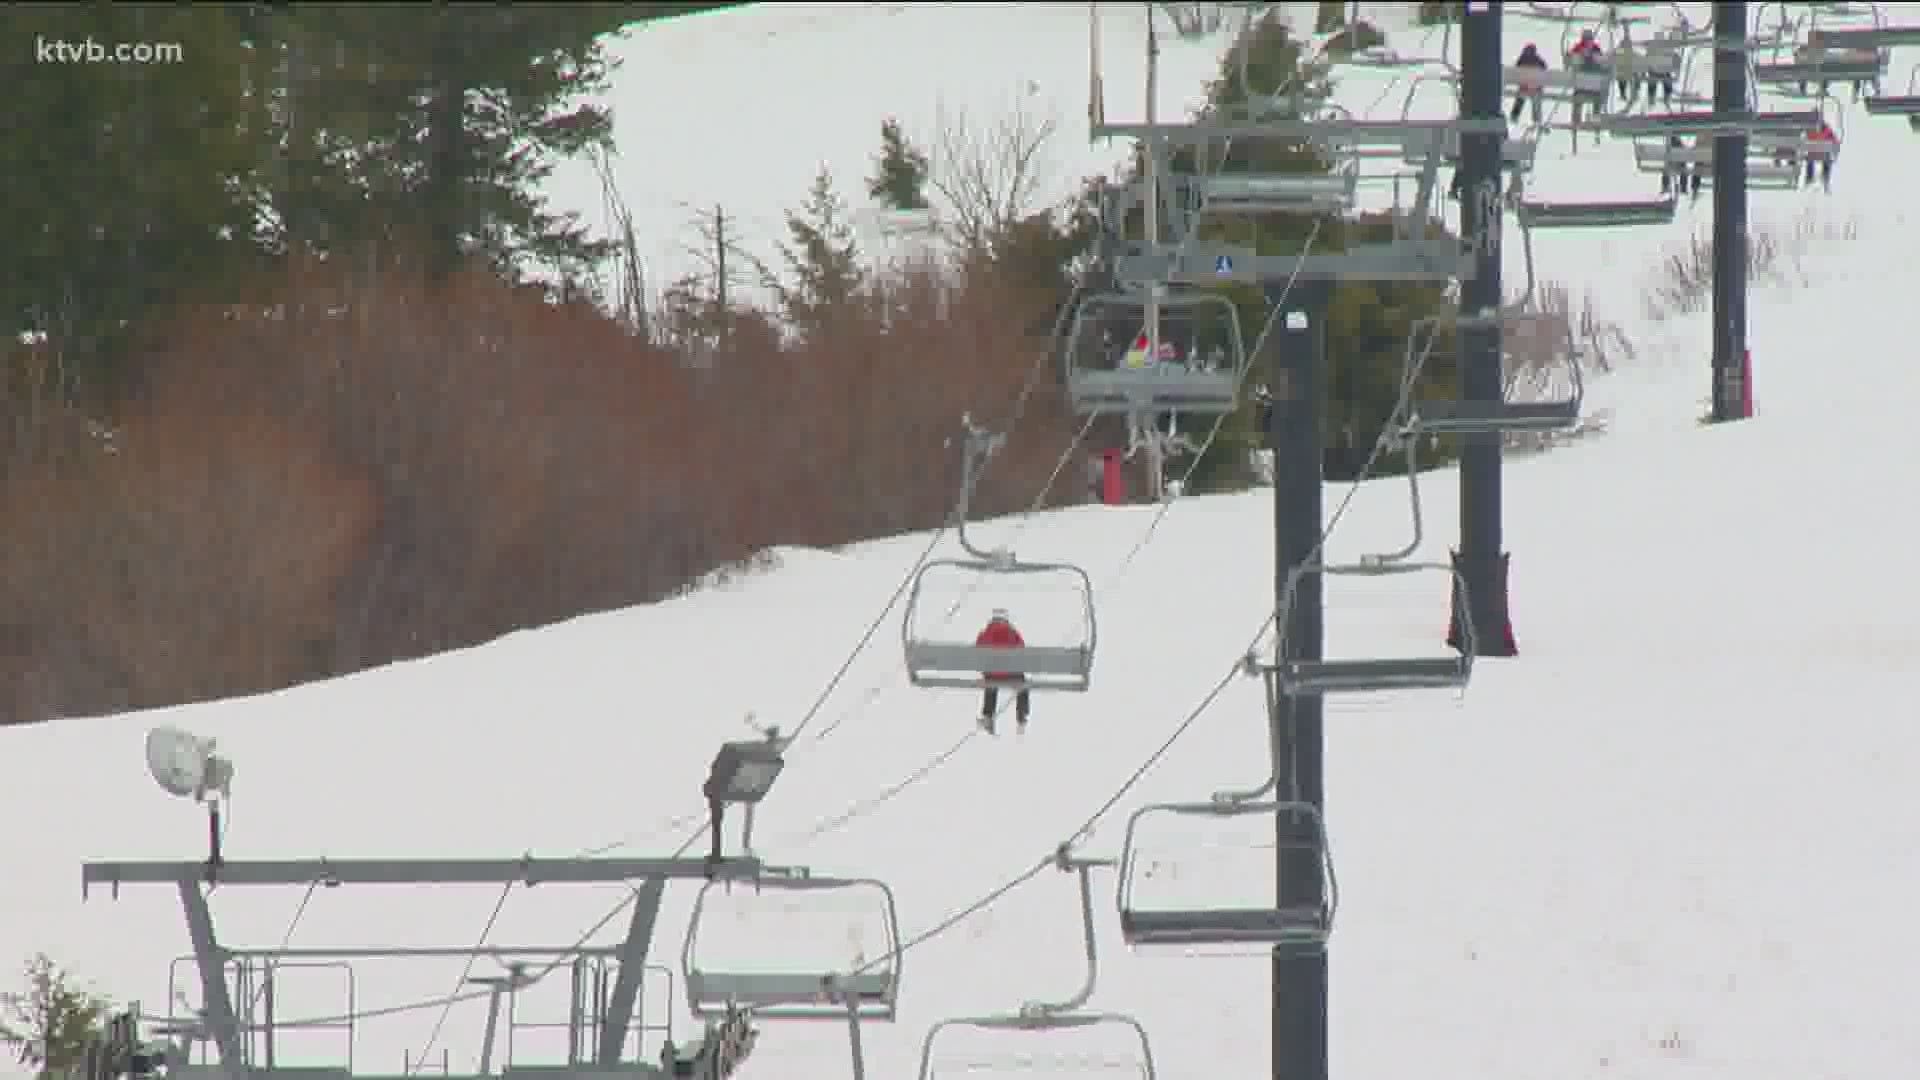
[{"x": 302, "y": 376}]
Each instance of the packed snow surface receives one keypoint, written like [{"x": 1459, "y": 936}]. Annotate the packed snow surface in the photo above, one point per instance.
[{"x": 1674, "y": 837}]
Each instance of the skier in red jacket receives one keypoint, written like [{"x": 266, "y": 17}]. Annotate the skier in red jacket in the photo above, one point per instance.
[{"x": 1000, "y": 634}]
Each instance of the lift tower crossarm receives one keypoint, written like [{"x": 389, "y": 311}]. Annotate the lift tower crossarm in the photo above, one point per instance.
[{"x": 526, "y": 871}]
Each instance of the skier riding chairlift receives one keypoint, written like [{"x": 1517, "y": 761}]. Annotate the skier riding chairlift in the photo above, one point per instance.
[{"x": 999, "y": 633}]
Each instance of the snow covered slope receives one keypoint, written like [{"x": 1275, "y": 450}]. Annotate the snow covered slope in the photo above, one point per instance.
[{"x": 1674, "y": 837}]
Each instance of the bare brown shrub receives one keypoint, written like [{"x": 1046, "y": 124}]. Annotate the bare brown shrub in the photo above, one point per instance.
[
  {"x": 361, "y": 471},
  {"x": 1548, "y": 342},
  {"x": 187, "y": 556},
  {"x": 854, "y": 434},
  {"x": 523, "y": 454},
  {"x": 1685, "y": 279}
]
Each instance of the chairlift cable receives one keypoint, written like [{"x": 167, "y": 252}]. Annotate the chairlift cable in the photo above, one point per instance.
[
  {"x": 433, "y": 1036},
  {"x": 449, "y": 1000},
  {"x": 286, "y": 939},
  {"x": 1026, "y": 518},
  {"x": 1381, "y": 442},
  {"x": 1220, "y": 422},
  {"x": 861, "y": 808},
  {"x": 867, "y": 805},
  {"x": 1034, "y": 373}
]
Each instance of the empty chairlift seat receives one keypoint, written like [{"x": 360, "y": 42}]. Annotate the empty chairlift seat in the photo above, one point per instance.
[
  {"x": 1818, "y": 67},
  {"x": 952, "y": 599},
  {"x": 1775, "y": 159},
  {"x": 1504, "y": 416},
  {"x": 1539, "y": 214},
  {"x": 1298, "y": 676},
  {"x": 774, "y": 965},
  {"x": 1280, "y": 193},
  {"x": 944, "y": 1055},
  {"x": 1864, "y": 37},
  {"x": 1198, "y": 370},
  {"x": 1188, "y": 921},
  {"x": 1907, "y": 104}
]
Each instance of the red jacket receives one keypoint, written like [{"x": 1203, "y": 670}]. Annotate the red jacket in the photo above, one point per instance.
[{"x": 1000, "y": 634}]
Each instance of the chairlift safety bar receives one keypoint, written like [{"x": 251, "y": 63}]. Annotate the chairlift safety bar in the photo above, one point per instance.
[
  {"x": 1551, "y": 215},
  {"x": 1877, "y": 37},
  {"x": 1407, "y": 132},
  {"x": 1818, "y": 71}
]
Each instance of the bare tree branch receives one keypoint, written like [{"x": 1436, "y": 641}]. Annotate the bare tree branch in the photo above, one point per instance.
[
  {"x": 990, "y": 174},
  {"x": 629, "y": 292}
]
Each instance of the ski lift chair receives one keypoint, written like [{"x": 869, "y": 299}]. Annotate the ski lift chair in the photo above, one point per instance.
[
  {"x": 1821, "y": 67},
  {"x": 1300, "y": 928},
  {"x": 775, "y": 994},
  {"x": 1655, "y": 58},
  {"x": 1559, "y": 84},
  {"x": 1298, "y": 676},
  {"x": 1547, "y": 13},
  {"x": 1494, "y": 417},
  {"x": 1538, "y": 214},
  {"x": 955, "y": 662},
  {"x": 1907, "y": 104},
  {"x": 1865, "y": 37},
  {"x": 1658, "y": 157},
  {"x": 1099, "y": 382},
  {"x": 1702, "y": 122},
  {"x": 1041, "y": 1018},
  {"x": 1775, "y": 160}
]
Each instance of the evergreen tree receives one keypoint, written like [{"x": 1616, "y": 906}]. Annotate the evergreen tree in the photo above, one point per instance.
[
  {"x": 125, "y": 181},
  {"x": 48, "y": 1025},
  {"x": 1265, "y": 71},
  {"x": 421, "y": 127},
  {"x": 821, "y": 258},
  {"x": 900, "y": 170}
]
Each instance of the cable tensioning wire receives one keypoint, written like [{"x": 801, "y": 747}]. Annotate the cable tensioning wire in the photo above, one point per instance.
[
  {"x": 286, "y": 939},
  {"x": 874, "y": 802},
  {"x": 465, "y": 972},
  {"x": 448, "y": 1001}
]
